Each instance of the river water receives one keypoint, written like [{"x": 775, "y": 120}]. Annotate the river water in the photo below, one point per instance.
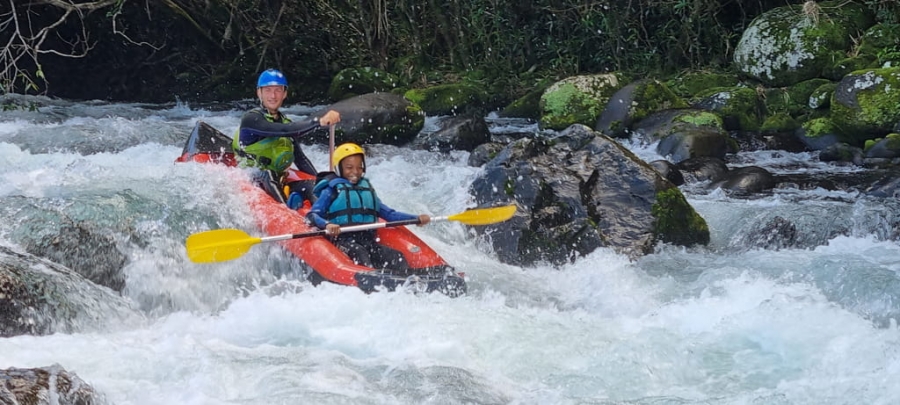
[{"x": 724, "y": 324}]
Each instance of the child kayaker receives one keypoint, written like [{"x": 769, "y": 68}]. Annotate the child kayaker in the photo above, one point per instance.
[{"x": 347, "y": 198}]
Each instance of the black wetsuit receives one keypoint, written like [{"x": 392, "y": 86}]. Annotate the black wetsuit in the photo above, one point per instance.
[{"x": 257, "y": 125}]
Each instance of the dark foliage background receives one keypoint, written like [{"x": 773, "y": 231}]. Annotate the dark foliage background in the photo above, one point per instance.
[{"x": 160, "y": 50}]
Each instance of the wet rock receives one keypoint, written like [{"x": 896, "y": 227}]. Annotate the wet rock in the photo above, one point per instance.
[
  {"x": 45, "y": 386},
  {"x": 684, "y": 133},
  {"x": 455, "y": 133},
  {"x": 746, "y": 180},
  {"x": 85, "y": 249},
  {"x": 778, "y": 233},
  {"x": 668, "y": 170},
  {"x": 885, "y": 148},
  {"x": 700, "y": 142},
  {"x": 375, "y": 118},
  {"x": 702, "y": 169},
  {"x": 888, "y": 186},
  {"x": 484, "y": 153},
  {"x": 579, "y": 191},
  {"x": 39, "y": 297},
  {"x": 634, "y": 102},
  {"x": 841, "y": 152}
]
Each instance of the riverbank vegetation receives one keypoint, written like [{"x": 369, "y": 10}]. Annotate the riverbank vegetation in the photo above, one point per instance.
[{"x": 211, "y": 50}]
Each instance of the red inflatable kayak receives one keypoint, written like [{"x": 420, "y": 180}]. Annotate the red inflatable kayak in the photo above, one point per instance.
[{"x": 427, "y": 271}]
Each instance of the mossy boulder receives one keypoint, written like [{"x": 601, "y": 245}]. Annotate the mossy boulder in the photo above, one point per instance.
[
  {"x": 844, "y": 65},
  {"x": 819, "y": 133},
  {"x": 355, "y": 81},
  {"x": 887, "y": 147},
  {"x": 448, "y": 99},
  {"x": 866, "y": 103},
  {"x": 841, "y": 152},
  {"x": 792, "y": 100},
  {"x": 527, "y": 106},
  {"x": 633, "y": 103},
  {"x": 664, "y": 123},
  {"x": 780, "y": 122},
  {"x": 577, "y": 100},
  {"x": 789, "y": 44},
  {"x": 881, "y": 40},
  {"x": 690, "y": 83},
  {"x": 821, "y": 97},
  {"x": 739, "y": 107},
  {"x": 676, "y": 221},
  {"x": 684, "y": 134}
]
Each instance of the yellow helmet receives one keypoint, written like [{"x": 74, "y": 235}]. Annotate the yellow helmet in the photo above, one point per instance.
[{"x": 344, "y": 150}]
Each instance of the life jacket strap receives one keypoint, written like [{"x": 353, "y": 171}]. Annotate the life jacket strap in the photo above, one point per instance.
[{"x": 262, "y": 160}]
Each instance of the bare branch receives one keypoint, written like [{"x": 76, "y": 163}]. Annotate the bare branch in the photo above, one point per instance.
[{"x": 24, "y": 34}]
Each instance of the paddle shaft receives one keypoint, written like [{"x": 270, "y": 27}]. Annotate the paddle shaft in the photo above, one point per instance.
[
  {"x": 345, "y": 229},
  {"x": 330, "y": 147},
  {"x": 227, "y": 244}
]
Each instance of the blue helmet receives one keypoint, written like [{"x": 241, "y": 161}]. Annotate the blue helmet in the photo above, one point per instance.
[{"x": 271, "y": 77}]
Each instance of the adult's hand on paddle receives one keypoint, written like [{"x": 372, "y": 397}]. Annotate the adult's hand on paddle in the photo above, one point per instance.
[
  {"x": 330, "y": 118},
  {"x": 424, "y": 219}
]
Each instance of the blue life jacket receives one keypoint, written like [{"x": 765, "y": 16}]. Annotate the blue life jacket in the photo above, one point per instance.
[{"x": 353, "y": 204}]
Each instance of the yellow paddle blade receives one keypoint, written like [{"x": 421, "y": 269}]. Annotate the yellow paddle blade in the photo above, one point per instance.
[
  {"x": 218, "y": 245},
  {"x": 484, "y": 216}
]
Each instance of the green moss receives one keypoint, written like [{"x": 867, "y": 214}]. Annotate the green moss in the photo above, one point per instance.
[
  {"x": 654, "y": 96},
  {"x": 878, "y": 37},
  {"x": 446, "y": 99},
  {"x": 355, "y": 81},
  {"x": 527, "y": 106},
  {"x": 738, "y": 106},
  {"x": 568, "y": 105},
  {"x": 819, "y": 126},
  {"x": 893, "y": 141},
  {"x": 784, "y": 45},
  {"x": 869, "y": 144},
  {"x": 676, "y": 221},
  {"x": 844, "y": 65},
  {"x": 880, "y": 106},
  {"x": 691, "y": 83},
  {"x": 780, "y": 122},
  {"x": 877, "y": 103},
  {"x": 702, "y": 119},
  {"x": 821, "y": 96},
  {"x": 510, "y": 187},
  {"x": 577, "y": 100}
]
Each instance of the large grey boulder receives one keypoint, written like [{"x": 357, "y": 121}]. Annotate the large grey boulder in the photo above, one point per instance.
[
  {"x": 375, "y": 118},
  {"x": 577, "y": 192}
]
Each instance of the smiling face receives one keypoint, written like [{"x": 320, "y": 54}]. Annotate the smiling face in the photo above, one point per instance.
[
  {"x": 271, "y": 97},
  {"x": 352, "y": 168}
]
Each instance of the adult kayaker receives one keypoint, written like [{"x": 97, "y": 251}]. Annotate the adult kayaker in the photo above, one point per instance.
[
  {"x": 268, "y": 140},
  {"x": 348, "y": 198}
]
